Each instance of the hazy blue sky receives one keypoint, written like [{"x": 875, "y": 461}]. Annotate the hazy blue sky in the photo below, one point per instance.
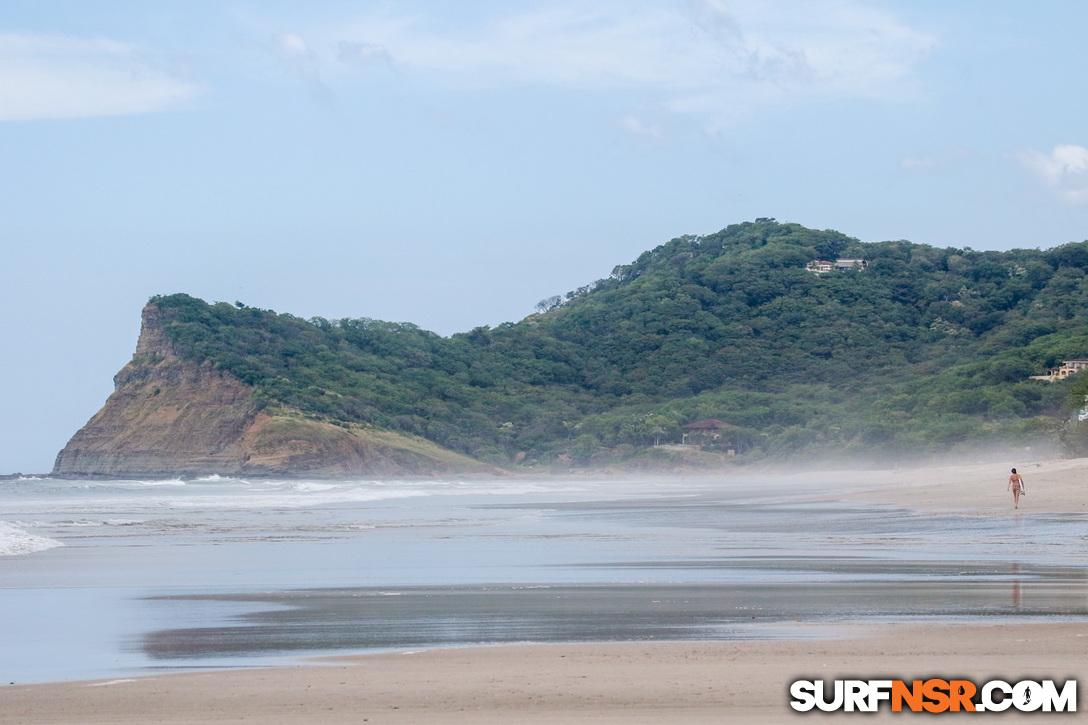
[{"x": 450, "y": 164}]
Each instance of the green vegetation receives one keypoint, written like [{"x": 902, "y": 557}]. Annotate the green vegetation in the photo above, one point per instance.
[{"x": 921, "y": 351}]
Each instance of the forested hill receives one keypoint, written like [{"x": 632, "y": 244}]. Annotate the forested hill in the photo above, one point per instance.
[{"x": 915, "y": 351}]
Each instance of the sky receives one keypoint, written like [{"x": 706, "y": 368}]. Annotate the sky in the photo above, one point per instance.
[{"x": 452, "y": 164}]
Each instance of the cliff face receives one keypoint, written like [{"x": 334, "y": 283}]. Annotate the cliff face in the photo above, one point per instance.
[{"x": 171, "y": 417}]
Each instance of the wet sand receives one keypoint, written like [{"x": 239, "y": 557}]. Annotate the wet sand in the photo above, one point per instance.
[
  {"x": 682, "y": 682},
  {"x": 692, "y": 682}
]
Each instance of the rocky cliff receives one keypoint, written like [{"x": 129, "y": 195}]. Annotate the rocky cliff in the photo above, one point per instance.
[{"x": 169, "y": 416}]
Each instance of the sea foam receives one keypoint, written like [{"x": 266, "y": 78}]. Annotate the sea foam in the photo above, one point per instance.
[{"x": 14, "y": 541}]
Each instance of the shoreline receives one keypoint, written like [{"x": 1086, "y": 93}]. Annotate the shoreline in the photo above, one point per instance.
[
  {"x": 675, "y": 681},
  {"x": 1052, "y": 487},
  {"x": 636, "y": 682},
  {"x": 819, "y": 466}
]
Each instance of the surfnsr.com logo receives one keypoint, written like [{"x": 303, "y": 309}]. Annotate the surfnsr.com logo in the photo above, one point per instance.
[{"x": 933, "y": 695}]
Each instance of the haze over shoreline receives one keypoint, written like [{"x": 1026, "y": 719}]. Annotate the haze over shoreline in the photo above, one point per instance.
[{"x": 685, "y": 681}]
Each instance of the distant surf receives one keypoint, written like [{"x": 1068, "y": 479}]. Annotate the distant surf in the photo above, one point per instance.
[{"x": 15, "y": 541}]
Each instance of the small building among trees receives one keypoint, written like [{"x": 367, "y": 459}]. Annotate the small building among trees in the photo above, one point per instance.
[
  {"x": 1063, "y": 371},
  {"x": 820, "y": 266},
  {"x": 710, "y": 431}
]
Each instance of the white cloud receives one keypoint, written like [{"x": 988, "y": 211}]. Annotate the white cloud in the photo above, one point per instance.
[
  {"x": 1064, "y": 170},
  {"x": 291, "y": 46},
  {"x": 637, "y": 128},
  {"x": 64, "y": 77},
  {"x": 290, "y": 55},
  {"x": 702, "y": 56},
  {"x": 363, "y": 53}
]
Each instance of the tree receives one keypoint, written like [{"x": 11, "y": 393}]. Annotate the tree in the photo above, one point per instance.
[
  {"x": 584, "y": 447},
  {"x": 549, "y": 303},
  {"x": 647, "y": 427}
]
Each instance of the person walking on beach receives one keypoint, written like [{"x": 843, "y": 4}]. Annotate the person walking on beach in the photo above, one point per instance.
[{"x": 1016, "y": 483}]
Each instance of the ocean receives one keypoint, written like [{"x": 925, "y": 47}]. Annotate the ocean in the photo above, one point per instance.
[{"x": 103, "y": 579}]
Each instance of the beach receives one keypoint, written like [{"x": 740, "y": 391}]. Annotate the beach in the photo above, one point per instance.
[
  {"x": 699, "y": 682},
  {"x": 601, "y": 601},
  {"x": 1053, "y": 486}
]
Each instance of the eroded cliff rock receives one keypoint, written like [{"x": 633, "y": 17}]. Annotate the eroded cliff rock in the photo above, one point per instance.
[{"x": 169, "y": 416}]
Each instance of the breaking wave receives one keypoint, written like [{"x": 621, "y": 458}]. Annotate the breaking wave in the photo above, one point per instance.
[{"x": 15, "y": 541}]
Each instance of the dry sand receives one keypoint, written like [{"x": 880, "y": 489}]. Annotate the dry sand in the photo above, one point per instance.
[
  {"x": 630, "y": 683},
  {"x": 703, "y": 682},
  {"x": 1052, "y": 486}
]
